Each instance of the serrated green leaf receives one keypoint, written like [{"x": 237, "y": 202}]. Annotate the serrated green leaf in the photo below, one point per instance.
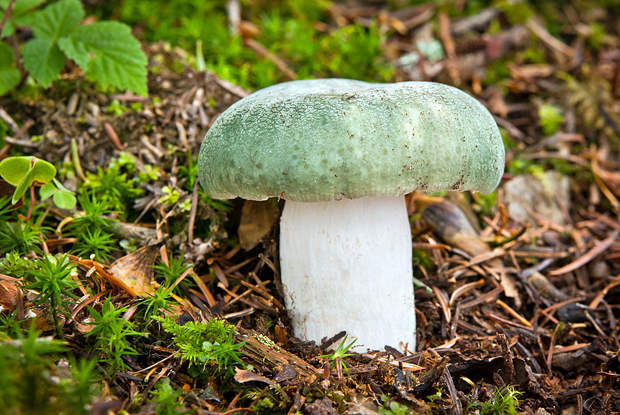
[
  {"x": 64, "y": 199},
  {"x": 47, "y": 191},
  {"x": 25, "y": 19},
  {"x": 109, "y": 54},
  {"x": 6, "y": 54},
  {"x": 9, "y": 27},
  {"x": 57, "y": 19},
  {"x": 21, "y": 15},
  {"x": 43, "y": 59},
  {"x": 21, "y": 6},
  {"x": 9, "y": 78}
]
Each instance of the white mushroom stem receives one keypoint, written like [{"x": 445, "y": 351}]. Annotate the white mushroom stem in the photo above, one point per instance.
[{"x": 346, "y": 265}]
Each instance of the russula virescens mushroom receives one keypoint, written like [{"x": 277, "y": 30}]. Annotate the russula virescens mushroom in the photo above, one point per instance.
[{"x": 343, "y": 154}]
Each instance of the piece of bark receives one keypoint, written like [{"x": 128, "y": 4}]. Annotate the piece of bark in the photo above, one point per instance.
[
  {"x": 9, "y": 297},
  {"x": 273, "y": 356}
]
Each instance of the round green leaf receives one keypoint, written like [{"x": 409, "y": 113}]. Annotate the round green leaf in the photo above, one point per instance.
[
  {"x": 47, "y": 191},
  {"x": 24, "y": 172},
  {"x": 64, "y": 199},
  {"x": 13, "y": 169}
]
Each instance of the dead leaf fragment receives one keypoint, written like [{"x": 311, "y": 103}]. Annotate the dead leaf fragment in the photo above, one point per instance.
[
  {"x": 243, "y": 376},
  {"x": 257, "y": 219},
  {"x": 321, "y": 407},
  {"x": 9, "y": 296},
  {"x": 288, "y": 372},
  {"x": 135, "y": 270}
]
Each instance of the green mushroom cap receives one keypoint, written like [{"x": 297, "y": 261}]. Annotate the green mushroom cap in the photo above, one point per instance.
[{"x": 330, "y": 139}]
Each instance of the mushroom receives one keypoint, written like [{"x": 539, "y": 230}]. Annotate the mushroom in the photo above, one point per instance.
[{"x": 343, "y": 154}]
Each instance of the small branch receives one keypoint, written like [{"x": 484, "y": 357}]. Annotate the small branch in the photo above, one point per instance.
[
  {"x": 597, "y": 250},
  {"x": 264, "y": 52},
  {"x": 113, "y": 136},
  {"x": 9, "y": 12},
  {"x": 456, "y": 403},
  {"x": 9, "y": 121}
]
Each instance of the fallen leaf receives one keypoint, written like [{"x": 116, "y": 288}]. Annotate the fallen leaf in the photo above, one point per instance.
[
  {"x": 243, "y": 376},
  {"x": 135, "y": 269},
  {"x": 257, "y": 219}
]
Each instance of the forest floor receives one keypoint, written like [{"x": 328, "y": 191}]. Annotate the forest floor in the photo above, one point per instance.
[{"x": 517, "y": 307}]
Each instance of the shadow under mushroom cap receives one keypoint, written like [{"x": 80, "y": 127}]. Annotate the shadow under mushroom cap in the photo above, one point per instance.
[{"x": 329, "y": 139}]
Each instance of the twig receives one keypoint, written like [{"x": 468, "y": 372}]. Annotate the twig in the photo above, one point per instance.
[
  {"x": 232, "y": 88},
  {"x": 552, "y": 347},
  {"x": 233, "y": 10},
  {"x": 448, "y": 44},
  {"x": 456, "y": 403},
  {"x": 443, "y": 303},
  {"x": 204, "y": 290},
  {"x": 264, "y": 52},
  {"x": 154, "y": 365},
  {"x": 599, "y": 297},
  {"x": 462, "y": 290},
  {"x": 113, "y": 136},
  {"x": 588, "y": 256},
  {"x": 513, "y": 312},
  {"x": 548, "y": 39},
  {"x": 9, "y": 12},
  {"x": 507, "y": 355},
  {"x": 76, "y": 160},
  {"x": 8, "y": 120}
]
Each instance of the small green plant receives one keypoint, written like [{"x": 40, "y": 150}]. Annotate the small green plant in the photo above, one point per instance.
[
  {"x": 9, "y": 74},
  {"x": 29, "y": 383},
  {"x": 105, "y": 51},
  {"x": 149, "y": 173},
  {"x": 171, "y": 272},
  {"x": 97, "y": 245},
  {"x": 15, "y": 265},
  {"x": 93, "y": 229},
  {"x": 338, "y": 355},
  {"x": 436, "y": 396},
  {"x": 25, "y": 172},
  {"x": 170, "y": 197},
  {"x": 166, "y": 400},
  {"x": 271, "y": 401},
  {"x": 96, "y": 215},
  {"x": 391, "y": 407},
  {"x": 113, "y": 334},
  {"x": 157, "y": 302},
  {"x": 81, "y": 386},
  {"x": 21, "y": 237},
  {"x": 551, "y": 118},
  {"x": 504, "y": 402},
  {"x": 25, "y": 385},
  {"x": 53, "y": 283},
  {"x": 210, "y": 344},
  {"x": 422, "y": 258},
  {"x": 113, "y": 187},
  {"x": 115, "y": 108}
]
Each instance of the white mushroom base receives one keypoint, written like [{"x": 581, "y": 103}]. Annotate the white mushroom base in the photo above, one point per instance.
[{"x": 346, "y": 265}]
